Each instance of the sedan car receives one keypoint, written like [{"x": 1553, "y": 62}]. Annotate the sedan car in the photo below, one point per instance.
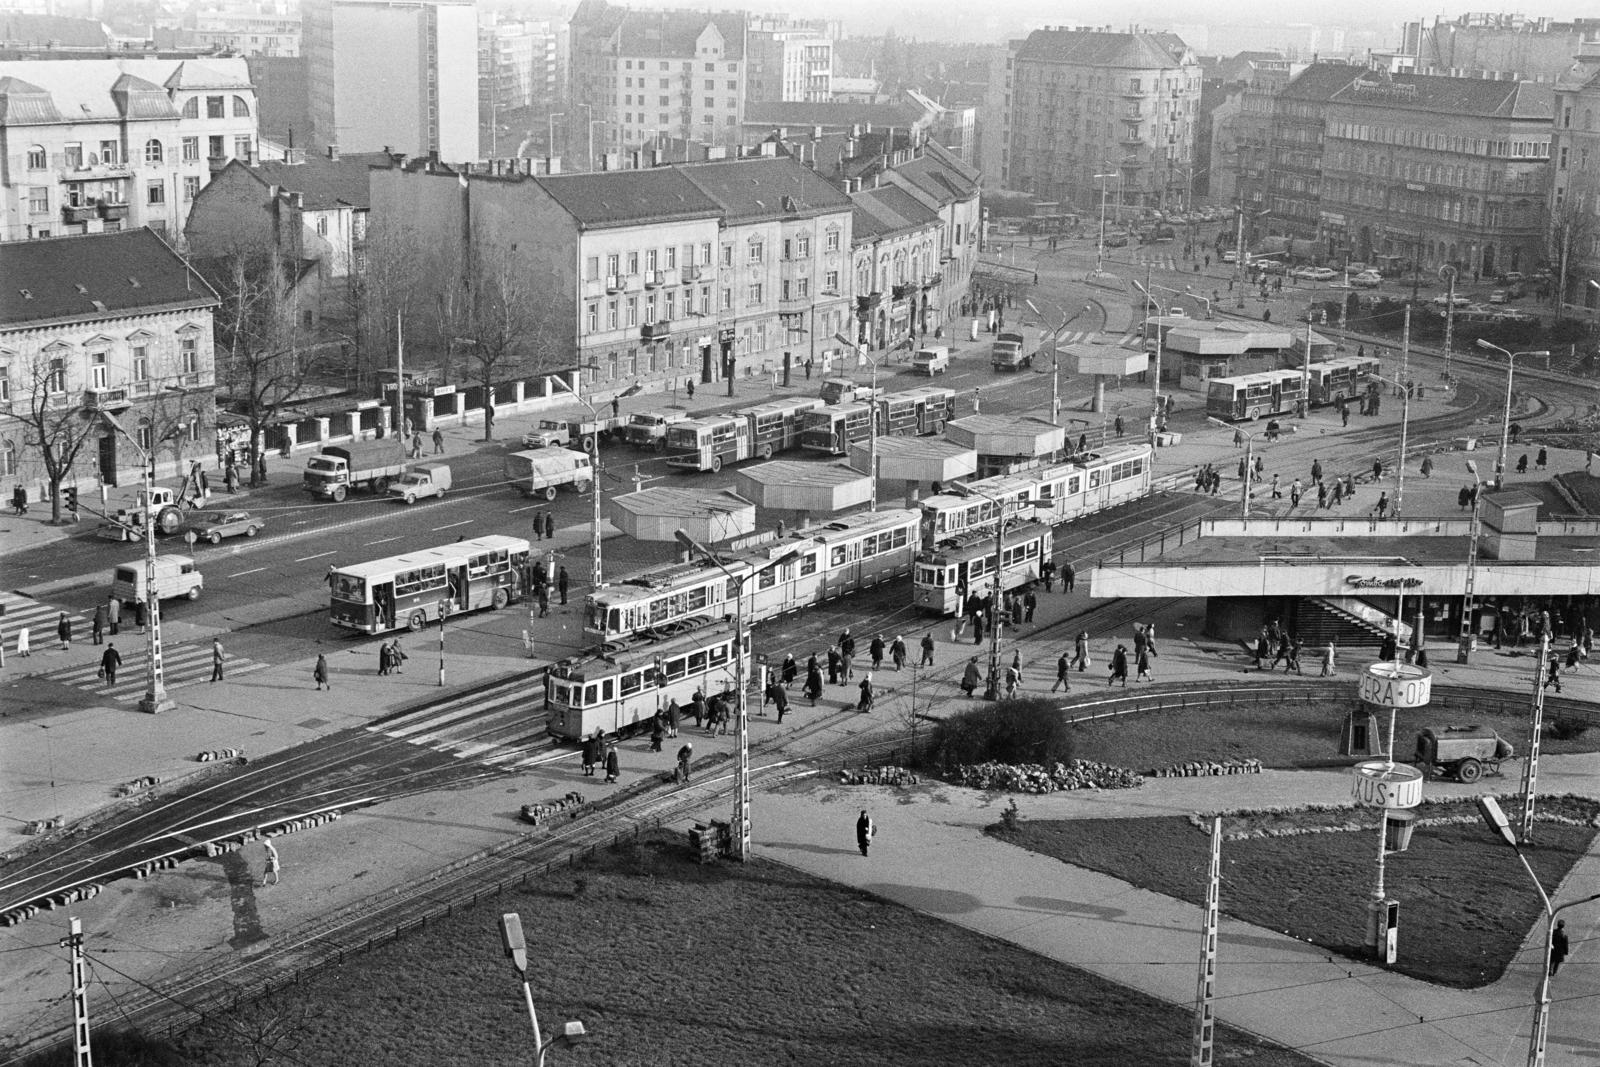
[
  {"x": 1229, "y": 255},
  {"x": 1511, "y": 315},
  {"x": 1317, "y": 274},
  {"x": 1367, "y": 279},
  {"x": 213, "y": 526},
  {"x": 1443, "y": 301},
  {"x": 1499, "y": 296}
]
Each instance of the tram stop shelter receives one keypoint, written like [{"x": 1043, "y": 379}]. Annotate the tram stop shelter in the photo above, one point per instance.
[
  {"x": 655, "y": 514},
  {"x": 1346, "y": 579},
  {"x": 1224, "y": 349},
  {"x": 916, "y": 461},
  {"x": 1007, "y": 443},
  {"x": 804, "y": 488}
]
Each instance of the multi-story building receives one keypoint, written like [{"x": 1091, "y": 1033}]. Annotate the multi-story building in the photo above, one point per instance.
[
  {"x": 1294, "y": 174},
  {"x": 1238, "y": 151},
  {"x": 394, "y": 74},
  {"x": 652, "y": 276},
  {"x": 1432, "y": 170},
  {"x": 788, "y": 59},
  {"x": 994, "y": 119},
  {"x": 253, "y": 28},
  {"x": 1574, "y": 196},
  {"x": 1495, "y": 45},
  {"x": 90, "y": 145},
  {"x": 113, "y": 322},
  {"x": 520, "y": 63},
  {"x": 636, "y": 76},
  {"x": 896, "y": 249},
  {"x": 1088, "y": 102}
]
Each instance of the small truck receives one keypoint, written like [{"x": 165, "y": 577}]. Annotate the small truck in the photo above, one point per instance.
[
  {"x": 422, "y": 481},
  {"x": 337, "y": 470},
  {"x": 648, "y": 429},
  {"x": 1008, "y": 352},
  {"x": 539, "y": 472},
  {"x": 1462, "y": 752}
]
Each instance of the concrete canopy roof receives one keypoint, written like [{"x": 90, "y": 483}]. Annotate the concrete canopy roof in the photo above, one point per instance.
[
  {"x": 815, "y": 488},
  {"x": 656, "y": 514},
  {"x": 916, "y": 459},
  {"x": 1008, "y": 435}
]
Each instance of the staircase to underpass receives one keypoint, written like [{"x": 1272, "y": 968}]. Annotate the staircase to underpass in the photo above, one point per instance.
[{"x": 1346, "y": 621}]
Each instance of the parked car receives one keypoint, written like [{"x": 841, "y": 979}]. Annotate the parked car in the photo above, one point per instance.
[
  {"x": 1367, "y": 279},
  {"x": 1316, "y": 274},
  {"x": 1499, "y": 296},
  {"x": 931, "y": 361},
  {"x": 1230, "y": 255},
  {"x": 1512, "y": 315},
  {"x": 213, "y": 526},
  {"x": 1512, "y": 276},
  {"x": 1116, "y": 240},
  {"x": 1269, "y": 266},
  {"x": 548, "y": 434},
  {"x": 1443, "y": 300}
]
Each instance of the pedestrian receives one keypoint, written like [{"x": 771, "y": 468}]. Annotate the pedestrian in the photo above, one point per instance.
[
  {"x": 1542, "y": 459},
  {"x": 549, "y": 526},
  {"x": 875, "y": 649},
  {"x": 1263, "y": 649},
  {"x": 1552, "y": 675},
  {"x": 24, "y": 647},
  {"x": 1013, "y": 680},
  {"x": 927, "y": 650},
  {"x": 971, "y": 677},
  {"x": 397, "y": 656},
  {"x": 562, "y": 582},
  {"x": 1377, "y": 470},
  {"x": 319, "y": 673},
  {"x": 1349, "y": 487},
  {"x": 1338, "y": 492},
  {"x": 273, "y": 863},
  {"x": 64, "y": 630},
  {"x": 866, "y": 693},
  {"x": 141, "y": 614},
  {"x": 685, "y": 754},
  {"x": 592, "y": 751},
  {"x": 1047, "y": 571},
  {"x": 385, "y": 659},
  {"x": 700, "y": 708},
  {"x": 1018, "y": 609},
  {"x": 1344, "y": 416},
  {"x": 658, "y": 732},
  {"x": 438, "y": 441},
  {"x": 790, "y": 670},
  {"x": 813, "y": 686},
  {"x": 1522, "y": 464},
  {"x": 1427, "y": 466},
  {"x": 1030, "y": 603},
  {"x": 1559, "y": 946},
  {"x": 835, "y": 664},
  {"x": 613, "y": 764},
  {"x": 1143, "y": 664},
  {"x": 416, "y": 446},
  {"x": 1069, "y": 576},
  {"x": 864, "y": 831},
  {"x": 780, "y": 699},
  {"x": 847, "y": 658},
  {"x": 674, "y": 715},
  {"x": 100, "y": 619},
  {"x": 110, "y": 660},
  {"x": 230, "y": 478},
  {"x": 1062, "y": 667},
  {"x": 1382, "y": 507},
  {"x": 1119, "y": 667},
  {"x": 1238, "y": 439},
  {"x": 216, "y": 659},
  {"x": 1080, "y": 651},
  {"x": 1117, "y": 425},
  {"x": 1277, "y": 494},
  {"x": 1316, "y": 470},
  {"x": 1322, "y": 494},
  {"x": 688, "y": 387},
  {"x": 544, "y": 601},
  {"x": 1292, "y": 660},
  {"x": 897, "y": 652},
  {"x": 114, "y": 614}
]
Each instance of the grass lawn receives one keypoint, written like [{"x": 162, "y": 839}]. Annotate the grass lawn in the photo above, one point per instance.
[
  {"x": 669, "y": 962},
  {"x": 1465, "y": 901},
  {"x": 1279, "y": 735}
]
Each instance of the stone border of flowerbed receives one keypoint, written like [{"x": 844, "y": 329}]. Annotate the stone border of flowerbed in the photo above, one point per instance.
[{"x": 1202, "y": 821}]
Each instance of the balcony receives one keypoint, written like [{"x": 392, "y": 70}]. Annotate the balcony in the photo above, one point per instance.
[
  {"x": 96, "y": 172},
  {"x": 934, "y": 279},
  {"x": 75, "y": 213},
  {"x": 105, "y": 399},
  {"x": 655, "y": 331},
  {"x": 904, "y": 291},
  {"x": 1132, "y": 139},
  {"x": 653, "y": 279},
  {"x": 112, "y": 212},
  {"x": 613, "y": 283},
  {"x": 689, "y": 272}
]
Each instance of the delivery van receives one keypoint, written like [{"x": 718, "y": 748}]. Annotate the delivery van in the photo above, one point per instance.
[
  {"x": 175, "y": 576},
  {"x": 421, "y": 481},
  {"x": 931, "y": 361}
]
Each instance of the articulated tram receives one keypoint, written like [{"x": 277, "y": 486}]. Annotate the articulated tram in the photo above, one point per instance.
[
  {"x": 1088, "y": 483},
  {"x": 970, "y": 562}
]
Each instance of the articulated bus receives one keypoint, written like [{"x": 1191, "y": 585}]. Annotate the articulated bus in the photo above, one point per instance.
[
  {"x": 706, "y": 444},
  {"x": 846, "y": 554},
  {"x": 834, "y": 429},
  {"x": 776, "y": 425},
  {"x": 966, "y": 563},
  {"x": 1344, "y": 378},
  {"x": 917, "y": 412},
  {"x": 1087, "y": 483},
  {"x": 615, "y": 690},
  {"x": 1253, "y": 396},
  {"x": 406, "y": 591}
]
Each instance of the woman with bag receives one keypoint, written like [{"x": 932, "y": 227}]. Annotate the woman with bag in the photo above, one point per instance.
[
  {"x": 971, "y": 678},
  {"x": 1080, "y": 652}
]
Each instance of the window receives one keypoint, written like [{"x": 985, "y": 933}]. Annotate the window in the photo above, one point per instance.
[
  {"x": 650, "y": 308},
  {"x": 214, "y": 108},
  {"x": 156, "y": 193},
  {"x": 611, "y": 266},
  {"x": 191, "y": 189},
  {"x": 803, "y": 245},
  {"x": 97, "y": 370},
  {"x": 55, "y": 379},
  {"x": 788, "y": 249},
  {"x": 651, "y": 258},
  {"x": 37, "y": 160},
  {"x": 110, "y": 152},
  {"x": 670, "y": 306},
  {"x": 832, "y": 240},
  {"x": 803, "y": 288},
  {"x": 322, "y": 225},
  {"x": 633, "y": 313},
  {"x": 733, "y": 103},
  {"x": 733, "y": 85},
  {"x": 711, "y": 86},
  {"x": 611, "y": 314},
  {"x": 73, "y": 156},
  {"x": 591, "y": 318},
  {"x": 711, "y": 102},
  {"x": 755, "y": 295},
  {"x": 215, "y": 145},
  {"x": 189, "y": 356},
  {"x": 241, "y": 108},
  {"x": 727, "y": 255},
  {"x": 39, "y": 200},
  {"x": 591, "y": 268},
  {"x": 191, "y": 149},
  {"x": 146, "y": 435},
  {"x": 141, "y": 363},
  {"x": 727, "y": 300},
  {"x": 784, "y": 292},
  {"x": 672, "y": 257},
  {"x": 8, "y": 459},
  {"x": 830, "y": 281},
  {"x": 242, "y": 146},
  {"x": 633, "y": 265},
  {"x": 756, "y": 251},
  {"x": 705, "y": 300},
  {"x": 152, "y": 151}
]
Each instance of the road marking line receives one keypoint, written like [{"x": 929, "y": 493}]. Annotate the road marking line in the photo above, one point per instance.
[
  {"x": 453, "y": 525},
  {"x": 302, "y": 522},
  {"x": 385, "y": 541},
  {"x": 319, "y": 555},
  {"x": 241, "y": 574},
  {"x": 530, "y": 507}
]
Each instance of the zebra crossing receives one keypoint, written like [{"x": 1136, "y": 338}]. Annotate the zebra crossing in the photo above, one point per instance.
[
  {"x": 40, "y": 619},
  {"x": 1158, "y": 260},
  {"x": 504, "y": 726},
  {"x": 182, "y": 665}
]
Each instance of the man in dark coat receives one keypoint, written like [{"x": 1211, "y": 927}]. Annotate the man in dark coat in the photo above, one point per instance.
[
  {"x": 864, "y": 831},
  {"x": 1559, "y": 946},
  {"x": 110, "y": 660},
  {"x": 561, "y": 583},
  {"x": 592, "y": 746}
]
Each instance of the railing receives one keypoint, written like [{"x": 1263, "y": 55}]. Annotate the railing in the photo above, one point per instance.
[{"x": 1153, "y": 546}]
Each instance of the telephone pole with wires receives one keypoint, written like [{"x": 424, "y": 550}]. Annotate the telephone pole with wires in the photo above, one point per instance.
[{"x": 80, "y": 995}]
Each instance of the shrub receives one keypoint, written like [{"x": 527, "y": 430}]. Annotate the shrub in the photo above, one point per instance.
[
  {"x": 1009, "y": 731},
  {"x": 1566, "y": 728},
  {"x": 1011, "y": 818}
]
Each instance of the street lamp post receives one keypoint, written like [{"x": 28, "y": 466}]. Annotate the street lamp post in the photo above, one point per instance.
[
  {"x": 1505, "y": 418},
  {"x": 1249, "y": 465},
  {"x": 1469, "y": 636},
  {"x": 517, "y": 952},
  {"x": 596, "y": 574},
  {"x": 1495, "y": 819},
  {"x": 741, "y": 811},
  {"x": 1405, "y": 426},
  {"x": 1100, "y": 249},
  {"x": 444, "y": 613},
  {"x": 550, "y": 150},
  {"x": 1054, "y": 337},
  {"x": 155, "y": 699},
  {"x": 991, "y": 685}
]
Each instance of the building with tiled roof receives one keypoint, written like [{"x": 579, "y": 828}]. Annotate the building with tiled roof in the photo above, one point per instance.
[
  {"x": 20, "y": 32},
  {"x": 1294, "y": 169},
  {"x": 1429, "y": 171},
  {"x": 114, "y": 322},
  {"x": 1080, "y": 98},
  {"x": 94, "y": 145},
  {"x": 895, "y": 251},
  {"x": 1574, "y": 196}
]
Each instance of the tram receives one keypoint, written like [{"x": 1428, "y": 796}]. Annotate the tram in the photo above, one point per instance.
[
  {"x": 977, "y": 561},
  {"x": 1087, "y": 483}
]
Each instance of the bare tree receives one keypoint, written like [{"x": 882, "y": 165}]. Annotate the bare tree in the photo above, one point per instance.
[
  {"x": 263, "y": 358},
  {"x": 55, "y": 425},
  {"x": 507, "y": 325},
  {"x": 386, "y": 283},
  {"x": 274, "y": 1028},
  {"x": 1572, "y": 230}
]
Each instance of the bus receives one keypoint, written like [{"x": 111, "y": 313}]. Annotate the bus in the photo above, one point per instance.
[
  {"x": 406, "y": 591},
  {"x": 839, "y": 557},
  {"x": 917, "y": 412},
  {"x": 963, "y": 564},
  {"x": 1344, "y": 378},
  {"x": 1087, "y": 483},
  {"x": 616, "y": 690},
  {"x": 1252, "y": 396},
  {"x": 706, "y": 444},
  {"x": 776, "y": 425},
  {"x": 834, "y": 429}
]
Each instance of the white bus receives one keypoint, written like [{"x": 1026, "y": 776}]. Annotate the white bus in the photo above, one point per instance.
[{"x": 406, "y": 591}]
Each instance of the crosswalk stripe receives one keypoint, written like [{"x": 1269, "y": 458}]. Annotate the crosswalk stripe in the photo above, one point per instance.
[
  {"x": 39, "y": 617},
  {"x": 182, "y": 665},
  {"x": 497, "y": 729}
]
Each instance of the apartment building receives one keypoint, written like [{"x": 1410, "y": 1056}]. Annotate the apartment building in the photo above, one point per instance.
[
  {"x": 245, "y": 27},
  {"x": 394, "y": 74},
  {"x": 113, "y": 322},
  {"x": 1093, "y": 102},
  {"x": 1238, "y": 150},
  {"x": 1294, "y": 173},
  {"x": 1433, "y": 170},
  {"x": 993, "y": 154},
  {"x": 895, "y": 254},
  {"x": 789, "y": 59},
  {"x": 520, "y": 63},
  {"x": 96, "y": 145},
  {"x": 1574, "y": 196}
]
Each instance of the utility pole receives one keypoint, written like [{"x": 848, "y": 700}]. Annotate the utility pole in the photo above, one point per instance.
[{"x": 80, "y": 995}]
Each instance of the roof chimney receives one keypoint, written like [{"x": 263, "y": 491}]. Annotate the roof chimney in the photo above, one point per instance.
[{"x": 333, "y": 153}]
